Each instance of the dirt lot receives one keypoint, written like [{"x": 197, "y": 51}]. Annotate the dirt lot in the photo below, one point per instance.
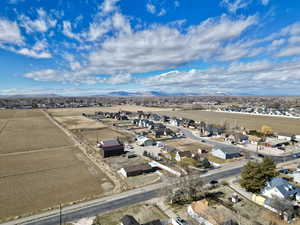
[
  {"x": 92, "y": 135},
  {"x": 40, "y": 167},
  {"x": 278, "y": 124},
  {"x": 31, "y": 133},
  {"x": 143, "y": 213},
  {"x": 78, "y": 122},
  {"x": 7, "y": 114},
  {"x": 186, "y": 144},
  {"x": 90, "y": 110}
]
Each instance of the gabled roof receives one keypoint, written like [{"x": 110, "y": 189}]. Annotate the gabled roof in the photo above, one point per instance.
[
  {"x": 229, "y": 150},
  {"x": 110, "y": 142},
  {"x": 129, "y": 220},
  {"x": 283, "y": 186}
]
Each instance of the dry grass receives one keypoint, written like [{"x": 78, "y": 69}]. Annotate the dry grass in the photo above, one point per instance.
[
  {"x": 143, "y": 213},
  {"x": 93, "y": 135},
  {"x": 78, "y": 122},
  {"x": 90, "y": 110},
  {"x": 278, "y": 124},
  {"x": 41, "y": 180},
  {"x": 32, "y": 133}
]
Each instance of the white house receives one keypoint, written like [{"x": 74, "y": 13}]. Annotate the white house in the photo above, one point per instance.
[
  {"x": 286, "y": 137},
  {"x": 226, "y": 153},
  {"x": 296, "y": 176},
  {"x": 279, "y": 187},
  {"x": 144, "y": 141}
]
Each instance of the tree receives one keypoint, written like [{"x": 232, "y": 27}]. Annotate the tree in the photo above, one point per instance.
[
  {"x": 283, "y": 207},
  {"x": 266, "y": 130},
  {"x": 255, "y": 175},
  {"x": 205, "y": 163}
]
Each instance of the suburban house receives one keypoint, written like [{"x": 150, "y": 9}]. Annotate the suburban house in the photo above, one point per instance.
[
  {"x": 180, "y": 155},
  {"x": 270, "y": 204},
  {"x": 296, "y": 176},
  {"x": 111, "y": 147},
  {"x": 226, "y": 153},
  {"x": 175, "y": 122},
  {"x": 281, "y": 188},
  {"x": 136, "y": 170},
  {"x": 130, "y": 220},
  {"x": 204, "y": 214},
  {"x": 285, "y": 136},
  {"x": 144, "y": 141}
]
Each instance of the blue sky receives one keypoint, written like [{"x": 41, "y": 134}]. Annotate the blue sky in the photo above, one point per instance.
[{"x": 87, "y": 47}]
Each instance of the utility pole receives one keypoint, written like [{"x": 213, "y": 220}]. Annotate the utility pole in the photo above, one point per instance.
[{"x": 60, "y": 213}]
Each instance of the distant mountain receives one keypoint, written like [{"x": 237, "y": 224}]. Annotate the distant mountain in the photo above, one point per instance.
[
  {"x": 31, "y": 96},
  {"x": 147, "y": 94}
]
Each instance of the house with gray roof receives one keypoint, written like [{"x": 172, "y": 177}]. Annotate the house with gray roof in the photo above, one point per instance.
[
  {"x": 226, "y": 153},
  {"x": 281, "y": 188}
]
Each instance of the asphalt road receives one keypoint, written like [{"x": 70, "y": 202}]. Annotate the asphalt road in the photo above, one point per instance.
[{"x": 90, "y": 210}]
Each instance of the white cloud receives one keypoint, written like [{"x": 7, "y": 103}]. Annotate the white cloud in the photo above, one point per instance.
[
  {"x": 156, "y": 48},
  {"x": 98, "y": 29},
  {"x": 151, "y": 8},
  {"x": 289, "y": 51},
  {"x": 10, "y": 32},
  {"x": 265, "y": 2},
  {"x": 41, "y": 24},
  {"x": 162, "y": 12},
  {"x": 234, "y": 5},
  {"x": 163, "y": 47},
  {"x": 109, "y": 6},
  {"x": 239, "y": 77},
  {"x": 67, "y": 30},
  {"x": 34, "y": 54}
]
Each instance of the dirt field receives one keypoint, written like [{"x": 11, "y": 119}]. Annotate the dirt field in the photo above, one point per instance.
[
  {"x": 78, "y": 122},
  {"x": 278, "y": 124},
  {"x": 94, "y": 135},
  {"x": 90, "y": 110},
  {"x": 7, "y": 114},
  {"x": 31, "y": 133},
  {"x": 40, "y": 167}
]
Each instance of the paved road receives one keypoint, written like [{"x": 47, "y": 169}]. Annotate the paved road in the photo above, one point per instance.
[{"x": 94, "y": 207}]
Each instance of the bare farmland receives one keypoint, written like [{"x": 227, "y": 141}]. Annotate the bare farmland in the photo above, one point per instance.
[
  {"x": 41, "y": 168},
  {"x": 278, "y": 124},
  {"x": 31, "y": 133},
  {"x": 78, "y": 122}
]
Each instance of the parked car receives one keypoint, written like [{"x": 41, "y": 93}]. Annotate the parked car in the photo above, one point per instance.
[
  {"x": 261, "y": 155},
  {"x": 296, "y": 155},
  {"x": 181, "y": 221},
  {"x": 284, "y": 171},
  {"x": 213, "y": 182}
]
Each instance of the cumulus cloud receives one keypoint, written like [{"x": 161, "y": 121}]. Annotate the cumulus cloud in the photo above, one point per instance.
[
  {"x": 109, "y": 6},
  {"x": 151, "y": 8},
  {"x": 10, "y": 32},
  {"x": 162, "y": 47},
  {"x": 235, "y": 77},
  {"x": 41, "y": 24},
  {"x": 234, "y": 5}
]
